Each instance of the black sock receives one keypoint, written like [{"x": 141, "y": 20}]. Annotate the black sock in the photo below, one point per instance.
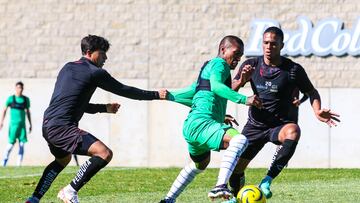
[
  {"x": 282, "y": 157},
  {"x": 48, "y": 176},
  {"x": 235, "y": 183},
  {"x": 87, "y": 171}
]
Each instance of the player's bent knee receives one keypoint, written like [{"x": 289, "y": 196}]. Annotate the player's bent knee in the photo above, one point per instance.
[
  {"x": 293, "y": 132},
  {"x": 108, "y": 154},
  {"x": 105, "y": 154}
]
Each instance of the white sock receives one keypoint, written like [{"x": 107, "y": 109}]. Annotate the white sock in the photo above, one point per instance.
[
  {"x": 8, "y": 149},
  {"x": 69, "y": 188},
  {"x": 20, "y": 154},
  {"x": 185, "y": 177},
  {"x": 230, "y": 158}
]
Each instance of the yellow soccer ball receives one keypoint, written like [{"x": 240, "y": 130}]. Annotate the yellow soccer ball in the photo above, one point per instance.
[{"x": 250, "y": 194}]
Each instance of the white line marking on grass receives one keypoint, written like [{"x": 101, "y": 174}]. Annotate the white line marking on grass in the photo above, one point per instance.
[{"x": 74, "y": 172}]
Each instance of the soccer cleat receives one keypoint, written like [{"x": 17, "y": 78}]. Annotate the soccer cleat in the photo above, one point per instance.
[
  {"x": 168, "y": 200},
  {"x": 232, "y": 200},
  {"x": 68, "y": 196},
  {"x": 220, "y": 191},
  {"x": 32, "y": 200},
  {"x": 265, "y": 188}
]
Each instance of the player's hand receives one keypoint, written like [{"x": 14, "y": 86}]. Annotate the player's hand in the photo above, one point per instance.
[
  {"x": 30, "y": 128},
  {"x": 254, "y": 101},
  {"x": 296, "y": 102},
  {"x": 245, "y": 74},
  {"x": 1, "y": 126},
  {"x": 112, "y": 108},
  {"x": 163, "y": 94},
  {"x": 229, "y": 120},
  {"x": 328, "y": 117}
]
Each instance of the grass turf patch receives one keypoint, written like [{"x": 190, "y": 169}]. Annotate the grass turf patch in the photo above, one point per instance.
[{"x": 115, "y": 184}]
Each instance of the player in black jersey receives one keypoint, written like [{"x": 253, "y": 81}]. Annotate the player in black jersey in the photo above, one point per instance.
[
  {"x": 276, "y": 80},
  {"x": 74, "y": 87}
]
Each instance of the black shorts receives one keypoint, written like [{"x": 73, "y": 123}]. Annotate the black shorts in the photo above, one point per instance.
[
  {"x": 258, "y": 137},
  {"x": 65, "y": 140}
]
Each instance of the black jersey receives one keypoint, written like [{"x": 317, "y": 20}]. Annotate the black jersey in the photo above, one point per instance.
[
  {"x": 74, "y": 87},
  {"x": 276, "y": 88}
]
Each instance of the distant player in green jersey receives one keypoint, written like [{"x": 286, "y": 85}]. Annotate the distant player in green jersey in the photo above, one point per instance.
[
  {"x": 205, "y": 129},
  {"x": 19, "y": 105}
]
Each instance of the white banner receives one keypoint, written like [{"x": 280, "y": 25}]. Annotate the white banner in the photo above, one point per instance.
[{"x": 328, "y": 37}]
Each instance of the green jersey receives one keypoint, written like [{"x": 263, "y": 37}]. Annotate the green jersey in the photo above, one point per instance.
[
  {"x": 210, "y": 103},
  {"x": 204, "y": 127},
  {"x": 17, "y": 108}
]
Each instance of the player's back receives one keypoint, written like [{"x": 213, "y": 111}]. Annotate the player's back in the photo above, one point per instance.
[{"x": 72, "y": 93}]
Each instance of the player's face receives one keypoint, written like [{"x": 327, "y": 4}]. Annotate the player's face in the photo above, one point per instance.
[
  {"x": 98, "y": 57},
  {"x": 272, "y": 45},
  {"x": 232, "y": 55},
  {"x": 19, "y": 89}
]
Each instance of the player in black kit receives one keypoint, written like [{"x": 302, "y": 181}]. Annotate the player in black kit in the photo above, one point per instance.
[
  {"x": 74, "y": 87},
  {"x": 276, "y": 80}
]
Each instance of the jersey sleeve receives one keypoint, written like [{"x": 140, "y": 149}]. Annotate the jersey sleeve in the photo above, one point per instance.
[
  {"x": 95, "y": 108},
  {"x": 183, "y": 96},
  {"x": 218, "y": 75},
  {"x": 106, "y": 82},
  {"x": 303, "y": 81},
  {"x": 27, "y": 102},
  {"x": 8, "y": 101}
]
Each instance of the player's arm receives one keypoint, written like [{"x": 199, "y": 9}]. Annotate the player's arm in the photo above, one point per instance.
[
  {"x": 106, "y": 82},
  {"x": 297, "y": 101},
  {"x": 183, "y": 96},
  {"x": 217, "y": 78},
  {"x": 306, "y": 87},
  {"x": 3, "y": 116},
  {"x": 243, "y": 75},
  {"x": 102, "y": 108},
  {"x": 28, "y": 113},
  {"x": 230, "y": 120}
]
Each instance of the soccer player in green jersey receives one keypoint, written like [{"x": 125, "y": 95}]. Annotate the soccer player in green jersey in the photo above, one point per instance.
[
  {"x": 19, "y": 106},
  {"x": 205, "y": 128}
]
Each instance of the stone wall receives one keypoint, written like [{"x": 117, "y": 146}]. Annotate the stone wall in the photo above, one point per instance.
[{"x": 163, "y": 41}]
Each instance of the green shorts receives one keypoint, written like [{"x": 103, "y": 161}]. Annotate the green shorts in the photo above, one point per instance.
[
  {"x": 205, "y": 134},
  {"x": 17, "y": 131}
]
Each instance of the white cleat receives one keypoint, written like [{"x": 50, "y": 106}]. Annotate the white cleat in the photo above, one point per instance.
[{"x": 68, "y": 196}]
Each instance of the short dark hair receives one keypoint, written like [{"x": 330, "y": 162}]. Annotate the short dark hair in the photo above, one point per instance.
[
  {"x": 277, "y": 31},
  {"x": 230, "y": 40},
  {"x": 93, "y": 43},
  {"x": 19, "y": 83}
]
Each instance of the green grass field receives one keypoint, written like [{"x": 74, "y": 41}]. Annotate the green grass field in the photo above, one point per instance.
[{"x": 115, "y": 184}]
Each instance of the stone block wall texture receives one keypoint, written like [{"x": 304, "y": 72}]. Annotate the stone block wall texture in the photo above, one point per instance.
[{"x": 162, "y": 41}]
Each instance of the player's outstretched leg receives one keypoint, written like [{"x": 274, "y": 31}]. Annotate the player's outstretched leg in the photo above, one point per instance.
[
  {"x": 48, "y": 176},
  {"x": 85, "y": 173},
  {"x": 237, "y": 145},
  {"x": 101, "y": 156},
  {"x": 280, "y": 160},
  {"x": 185, "y": 177}
]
